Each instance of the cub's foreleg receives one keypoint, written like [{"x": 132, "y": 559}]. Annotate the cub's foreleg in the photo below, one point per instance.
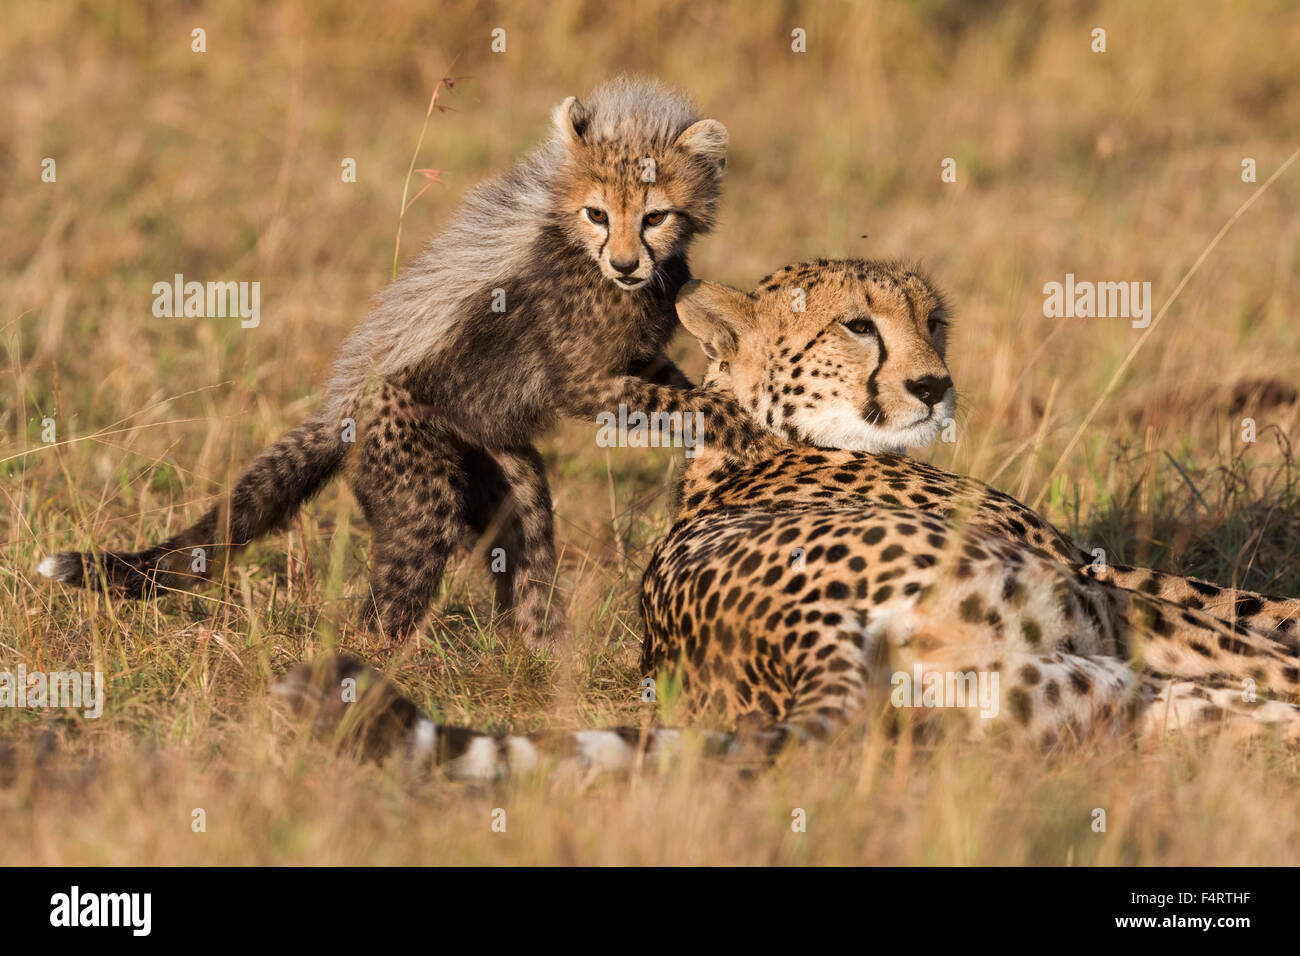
[
  {"x": 661, "y": 370},
  {"x": 723, "y": 422}
]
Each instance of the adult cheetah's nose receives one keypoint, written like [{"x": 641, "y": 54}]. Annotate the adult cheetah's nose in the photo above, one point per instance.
[
  {"x": 625, "y": 266},
  {"x": 930, "y": 389}
]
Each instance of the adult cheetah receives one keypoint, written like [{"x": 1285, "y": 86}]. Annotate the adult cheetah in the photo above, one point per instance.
[
  {"x": 809, "y": 568},
  {"x": 800, "y": 580}
]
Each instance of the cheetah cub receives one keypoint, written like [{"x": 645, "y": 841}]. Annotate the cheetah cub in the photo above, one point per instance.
[{"x": 551, "y": 292}]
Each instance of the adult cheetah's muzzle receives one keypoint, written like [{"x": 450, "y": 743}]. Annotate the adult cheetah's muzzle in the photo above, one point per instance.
[{"x": 931, "y": 389}]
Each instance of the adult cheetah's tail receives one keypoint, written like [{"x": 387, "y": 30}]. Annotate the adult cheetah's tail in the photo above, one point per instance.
[
  {"x": 372, "y": 717},
  {"x": 264, "y": 499}
]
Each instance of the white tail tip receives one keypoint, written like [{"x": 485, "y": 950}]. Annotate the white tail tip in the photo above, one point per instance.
[{"x": 59, "y": 567}]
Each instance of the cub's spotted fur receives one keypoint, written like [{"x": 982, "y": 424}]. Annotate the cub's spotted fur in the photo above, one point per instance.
[
  {"x": 798, "y": 578},
  {"x": 584, "y": 243}
]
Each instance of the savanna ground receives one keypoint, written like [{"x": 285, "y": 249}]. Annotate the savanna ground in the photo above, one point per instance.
[{"x": 226, "y": 165}]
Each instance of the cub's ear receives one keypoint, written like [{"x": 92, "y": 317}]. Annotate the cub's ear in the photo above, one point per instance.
[
  {"x": 715, "y": 314},
  {"x": 707, "y": 138},
  {"x": 571, "y": 120}
]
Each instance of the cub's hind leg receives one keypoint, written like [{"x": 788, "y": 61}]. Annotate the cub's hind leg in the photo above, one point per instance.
[
  {"x": 510, "y": 502},
  {"x": 411, "y": 485},
  {"x": 491, "y": 516}
]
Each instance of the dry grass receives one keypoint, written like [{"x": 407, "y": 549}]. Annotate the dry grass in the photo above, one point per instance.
[{"x": 226, "y": 165}]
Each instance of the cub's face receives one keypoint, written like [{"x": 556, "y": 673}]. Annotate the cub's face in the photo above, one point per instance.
[
  {"x": 842, "y": 354},
  {"x": 633, "y": 206}
]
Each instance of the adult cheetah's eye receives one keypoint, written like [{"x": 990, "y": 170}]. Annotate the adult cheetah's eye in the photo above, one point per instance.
[
  {"x": 937, "y": 321},
  {"x": 598, "y": 216},
  {"x": 861, "y": 326},
  {"x": 655, "y": 218}
]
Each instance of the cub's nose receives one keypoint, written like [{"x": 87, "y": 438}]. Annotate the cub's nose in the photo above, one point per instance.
[
  {"x": 930, "y": 389},
  {"x": 625, "y": 266}
]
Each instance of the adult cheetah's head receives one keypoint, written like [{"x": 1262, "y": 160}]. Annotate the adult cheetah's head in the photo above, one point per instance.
[
  {"x": 640, "y": 177},
  {"x": 843, "y": 354}
]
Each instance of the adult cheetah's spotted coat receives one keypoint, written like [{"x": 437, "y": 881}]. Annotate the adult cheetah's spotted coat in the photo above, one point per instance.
[{"x": 798, "y": 579}]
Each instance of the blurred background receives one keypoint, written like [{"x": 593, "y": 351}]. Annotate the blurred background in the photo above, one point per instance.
[
  {"x": 1114, "y": 166},
  {"x": 225, "y": 165}
]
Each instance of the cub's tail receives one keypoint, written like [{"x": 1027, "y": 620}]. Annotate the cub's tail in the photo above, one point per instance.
[
  {"x": 264, "y": 499},
  {"x": 358, "y": 708}
]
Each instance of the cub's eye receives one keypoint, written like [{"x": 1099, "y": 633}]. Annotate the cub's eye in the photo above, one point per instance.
[
  {"x": 937, "y": 321},
  {"x": 655, "y": 218},
  {"x": 598, "y": 216},
  {"x": 861, "y": 326}
]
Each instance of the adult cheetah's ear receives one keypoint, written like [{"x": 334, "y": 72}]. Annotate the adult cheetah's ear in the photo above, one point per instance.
[
  {"x": 571, "y": 121},
  {"x": 715, "y": 314},
  {"x": 707, "y": 138}
]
